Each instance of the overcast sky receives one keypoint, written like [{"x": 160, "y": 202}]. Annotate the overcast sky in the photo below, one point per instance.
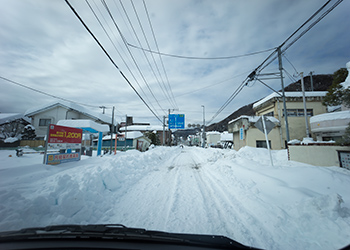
[{"x": 44, "y": 46}]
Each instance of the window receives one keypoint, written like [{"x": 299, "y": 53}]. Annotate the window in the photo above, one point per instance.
[
  {"x": 269, "y": 114},
  {"x": 44, "y": 122},
  {"x": 262, "y": 144},
  {"x": 299, "y": 112}
]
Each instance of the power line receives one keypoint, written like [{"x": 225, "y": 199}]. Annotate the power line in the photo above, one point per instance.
[
  {"x": 124, "y": 40},
  {"x": 229, "y": 100},
  {"x": 287, "y": 46},
  {"x": 111, "y": 60},
  {"x": 149, "y": 63},
  {"x": 200, "y": 58},
  {"x": 110, "y": 39},
  {"x": 160, "y": 58},
  {"x": 44, "y": 93}
]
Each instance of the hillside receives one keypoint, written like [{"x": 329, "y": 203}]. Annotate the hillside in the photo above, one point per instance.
[{"x": 320, "y": 83}]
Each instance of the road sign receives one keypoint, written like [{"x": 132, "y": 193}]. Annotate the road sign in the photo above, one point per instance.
[
  {"x": 176, "y": 121},
  {"x": 269, "y": 124}
]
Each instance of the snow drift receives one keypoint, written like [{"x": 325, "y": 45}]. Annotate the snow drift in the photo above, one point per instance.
[{"x": 187, "y": 190}]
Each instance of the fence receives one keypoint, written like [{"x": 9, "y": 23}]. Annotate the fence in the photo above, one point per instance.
[{"x": 32, "y": 143}]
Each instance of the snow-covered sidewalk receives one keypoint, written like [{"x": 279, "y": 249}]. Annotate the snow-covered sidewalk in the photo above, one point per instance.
[{"x": 188, "y": 190}]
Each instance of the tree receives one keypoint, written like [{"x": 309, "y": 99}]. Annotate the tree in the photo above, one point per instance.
[
  {"x": 28, "y": 133},
  {"x": 337, "y": 94},
  {"x": 153, "y": 137}
]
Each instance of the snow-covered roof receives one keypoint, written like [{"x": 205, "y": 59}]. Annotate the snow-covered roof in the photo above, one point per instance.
[
  {"x": 87, "y": 125},
  {"x": 143, "y": 128},
  {"x": 129, "y": 135},
  {"x": 289, "y": 94},
  {"x": 69, "y": 105},
  {"x": 9, "y": 117},
  {"x": 341, "y": 115},
  {"x": 253, "y": 119},
  {"x": 212, "y": 133}
]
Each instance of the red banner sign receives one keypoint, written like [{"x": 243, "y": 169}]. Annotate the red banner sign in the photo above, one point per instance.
[{"x": 61, "y": 134}]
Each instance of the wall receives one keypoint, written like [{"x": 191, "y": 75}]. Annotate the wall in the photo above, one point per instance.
[
  {"x": 317, "y": 155},
  {"x": 255, "y": 134}
]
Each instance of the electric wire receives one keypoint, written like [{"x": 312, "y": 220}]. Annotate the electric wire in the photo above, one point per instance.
[
  {"x": 115, "y": 47},
  {"x": 296, "y": 71},
  {"x": 287, "y": 46},
  {"x": 229, "y": 100},
  {"x": 110, "y": 59},
  {"x": 44, "y": 93},
  {"x": 200, "y": 58},
  {"x": 138, "y": 40},
  {"x": 133, "y": 58},
  {"x": 160, "y": 57}
]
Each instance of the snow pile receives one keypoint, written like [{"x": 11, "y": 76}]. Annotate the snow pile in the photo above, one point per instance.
[
  {"x": 11, "y": 139},
  {"x": 188, "y": 190},
  {"x": 346, "y": 84}
]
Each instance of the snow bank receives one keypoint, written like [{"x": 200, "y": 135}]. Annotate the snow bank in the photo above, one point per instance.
[
  {"x": 185, "y": 190},
  {"x": 11, "y": 139}
]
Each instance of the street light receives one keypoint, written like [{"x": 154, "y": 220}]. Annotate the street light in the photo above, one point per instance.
[{"x": 203, "y": 134}]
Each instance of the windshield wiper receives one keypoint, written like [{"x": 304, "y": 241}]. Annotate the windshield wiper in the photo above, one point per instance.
[{"x": 118, "y": 232}]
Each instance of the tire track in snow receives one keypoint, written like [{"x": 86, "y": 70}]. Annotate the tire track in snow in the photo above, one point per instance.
[
  {"x": 246, "y": 228},
  {"x": 251, "y": 230}
]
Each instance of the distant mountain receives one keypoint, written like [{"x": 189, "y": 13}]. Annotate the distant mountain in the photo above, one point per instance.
[
  {"x": 222, "y": 125},
  {"x": 320, "y": 83}
]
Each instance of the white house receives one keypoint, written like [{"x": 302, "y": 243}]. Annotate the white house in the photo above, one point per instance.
[{"x": 51, "y": 113}]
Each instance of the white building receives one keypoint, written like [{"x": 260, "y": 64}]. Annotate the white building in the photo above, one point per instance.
[{"x": 51, "y": 113}]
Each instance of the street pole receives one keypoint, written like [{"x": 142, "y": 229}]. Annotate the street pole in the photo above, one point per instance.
[
  {"x": 203, "y": 135},
  {"x": 304, "y": 102},
  {"x": 169, "y": 142},
  {"x": 283, "y": 93},
  {"x": 112, "y": 128},
  {"x": 163, "y": 130},
  {"x": 126, "y": 126},
  {"x": 311, "y": 81}
]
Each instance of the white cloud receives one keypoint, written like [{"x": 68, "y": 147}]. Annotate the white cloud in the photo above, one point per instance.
[{"x": 43, "y": 45}]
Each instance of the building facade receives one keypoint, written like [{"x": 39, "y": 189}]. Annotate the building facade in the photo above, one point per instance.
[
  {"x": 51, "y": 113},
  {"x": 272, "y": 105}
]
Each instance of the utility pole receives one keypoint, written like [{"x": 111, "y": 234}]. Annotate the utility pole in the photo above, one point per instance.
[
  {"x": 283, "y": 93},
  {"x": 203, "y": 135},
  {"x": 304, "y": 102},
  {"x": 126, "y": 126},
  {"x": 169, "y": 137},
  {"x": 311, "y": 81},
  {"x": 163, "y": 130},
  {"x": 103, "y": 109},
  {"x": 112, "y": 129},
  {"x": 169, "y": 131}
]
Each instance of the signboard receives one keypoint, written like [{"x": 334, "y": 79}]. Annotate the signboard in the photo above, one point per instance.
[
  {"x": 344, "y": 159},
  {"x": 66, "y": 140},
  {"x": 241, "y": 134},
  {"x": 268, "y": 124},
  {"x": 176, "y": 121}
]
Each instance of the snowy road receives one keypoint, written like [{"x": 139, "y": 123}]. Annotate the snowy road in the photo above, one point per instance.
[{"x": 188, "y": 190}]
